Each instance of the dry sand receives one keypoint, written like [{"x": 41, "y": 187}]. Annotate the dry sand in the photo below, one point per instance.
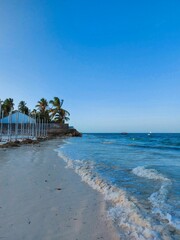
[{"x": 41, "y": 199}]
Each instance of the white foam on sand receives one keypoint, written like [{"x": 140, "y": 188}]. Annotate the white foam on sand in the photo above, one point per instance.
[{"x": 133, "y": 223}]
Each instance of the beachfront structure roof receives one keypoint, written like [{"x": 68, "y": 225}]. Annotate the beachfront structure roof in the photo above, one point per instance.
[{"x": 18, "y": 117}]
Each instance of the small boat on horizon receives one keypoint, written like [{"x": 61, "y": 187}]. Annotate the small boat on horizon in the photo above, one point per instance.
[{"x": 124, "y": 133}]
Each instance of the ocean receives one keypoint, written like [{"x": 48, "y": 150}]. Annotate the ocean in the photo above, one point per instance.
[{"x": 139, "y": 176}]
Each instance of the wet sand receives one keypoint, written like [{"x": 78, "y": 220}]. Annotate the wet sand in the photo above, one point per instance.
[{"x": 41, "y": 199}]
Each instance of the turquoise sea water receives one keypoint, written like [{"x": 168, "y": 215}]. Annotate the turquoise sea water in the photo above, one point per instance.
[{"x": 139, "y": 176}]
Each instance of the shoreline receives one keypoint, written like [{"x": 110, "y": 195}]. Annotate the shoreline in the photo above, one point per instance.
[
  {"x": 52, "y": 134},
  {"x": 42, "y": 199}
]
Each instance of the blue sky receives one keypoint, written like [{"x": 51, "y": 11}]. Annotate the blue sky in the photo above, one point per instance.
[{"x": 115, "y": 63}]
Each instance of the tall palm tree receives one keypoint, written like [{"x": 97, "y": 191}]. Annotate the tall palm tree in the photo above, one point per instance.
[
  {"x": 42, "y": 107},
  {"x": 23, "y": 108},
  {"x": 58, "y": 114},
  {"x": 7, "y": 106}
]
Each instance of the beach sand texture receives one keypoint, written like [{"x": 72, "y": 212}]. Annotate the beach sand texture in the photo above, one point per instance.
[{"x": 41, "y": 199}]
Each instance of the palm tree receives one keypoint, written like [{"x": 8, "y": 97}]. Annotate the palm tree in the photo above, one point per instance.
[
  {"x": 7, "y": 106},
  {"x": 33, "y": 112},
  {"x": 58, "y": 114},
  {"x": 23, "y": 108},
  {"x": 42, "y": 107}
]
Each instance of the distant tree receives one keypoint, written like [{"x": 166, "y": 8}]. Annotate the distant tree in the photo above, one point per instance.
[
  {"x": 42, "y": 109},
  {"x": 42, "y": 105},
  {"x": 23, "y": 108},
  {"x": 58, "y": 114},
  {"x": 33, "y": 112},
  {"x": 7, "y": 106}
]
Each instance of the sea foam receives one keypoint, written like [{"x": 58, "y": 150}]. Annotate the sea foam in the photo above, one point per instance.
[
  {"x": 160, "y": 208},
  {"x": 141, "y": 171},
  {"x": 133, "y": 222}
]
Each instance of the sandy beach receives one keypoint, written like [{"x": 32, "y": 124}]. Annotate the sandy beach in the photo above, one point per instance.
[{"x": 41, "y": 199}]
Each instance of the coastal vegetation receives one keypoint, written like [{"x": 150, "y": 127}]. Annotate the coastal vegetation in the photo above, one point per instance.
[
  {"x": 23, "y": 108},
  {"x": 51, "y": 111},
  {"x": 7, "y": 105}
]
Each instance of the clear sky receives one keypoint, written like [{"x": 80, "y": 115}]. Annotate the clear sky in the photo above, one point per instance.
[{"x": 115, "y": 63}]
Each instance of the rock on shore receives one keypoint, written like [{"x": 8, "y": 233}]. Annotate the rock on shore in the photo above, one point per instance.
[{"x": 56, "y": 132}]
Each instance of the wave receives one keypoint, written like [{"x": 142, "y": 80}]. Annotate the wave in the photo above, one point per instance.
[
  {"x": 158, "y": 199},
  {"x": 141, "y": 171},
  {"x": 134, "y": 223}
]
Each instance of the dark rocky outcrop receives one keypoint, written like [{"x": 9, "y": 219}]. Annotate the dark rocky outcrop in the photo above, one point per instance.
[
  {"x": 73, "y": 133},
  {"x": 59, "y": 132}
]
